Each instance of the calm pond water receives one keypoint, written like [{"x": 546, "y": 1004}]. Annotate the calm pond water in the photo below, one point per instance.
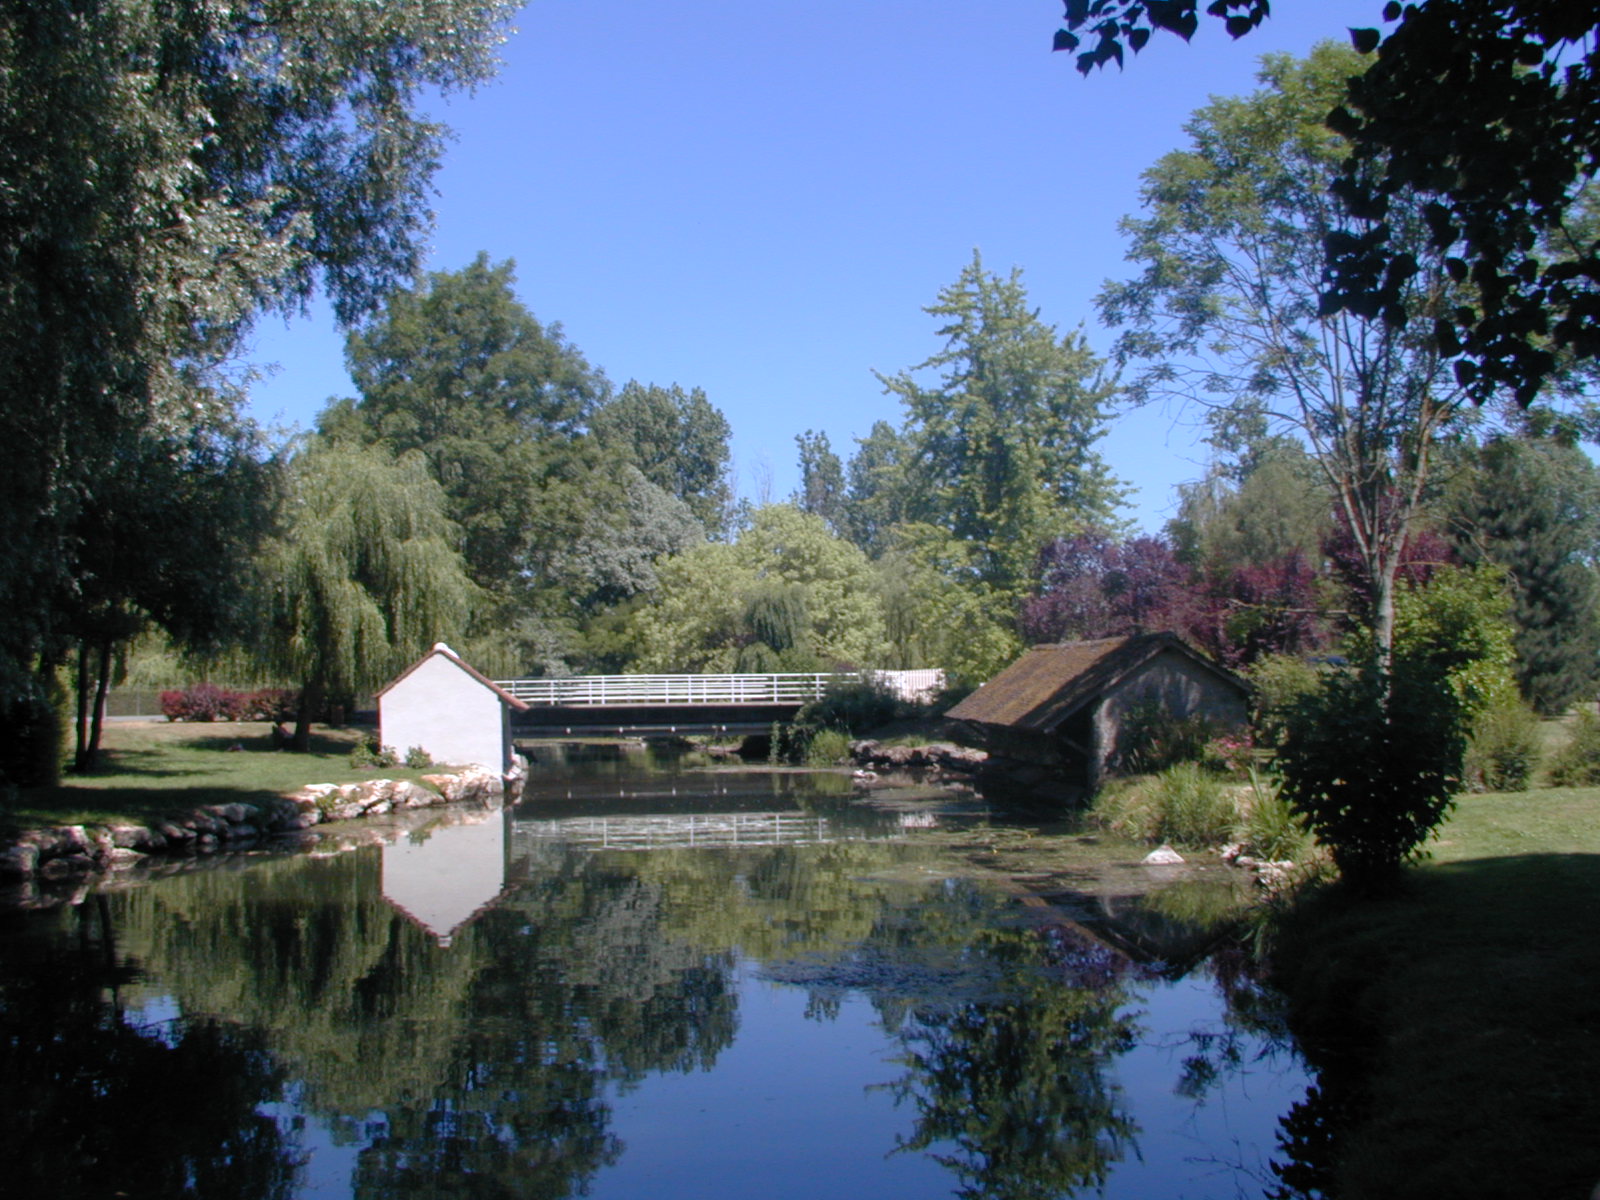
[{"x": 641, "y": 984}]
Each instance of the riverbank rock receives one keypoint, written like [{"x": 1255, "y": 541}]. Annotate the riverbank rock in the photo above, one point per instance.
[
  {"x": 938, "y": 758},
  {"x": 70, "y": 851}
]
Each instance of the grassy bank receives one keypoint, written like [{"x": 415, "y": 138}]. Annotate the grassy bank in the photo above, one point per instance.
[
  {"x": 153, "y": 768},
  {"x": 1458, "y": 1024}
]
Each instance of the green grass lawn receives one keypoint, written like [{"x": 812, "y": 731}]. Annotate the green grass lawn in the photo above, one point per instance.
[
  {"x": 150, "y": 769},
  {"x": 1471, "y": 1003}
]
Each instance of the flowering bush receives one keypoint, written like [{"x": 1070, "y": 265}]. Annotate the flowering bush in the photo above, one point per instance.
[
  {"x": 1231, "y": 753},
  {"x": 208, "y": 702}
]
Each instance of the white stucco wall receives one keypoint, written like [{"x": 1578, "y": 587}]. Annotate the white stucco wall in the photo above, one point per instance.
[{"x": 443, "y": 709}]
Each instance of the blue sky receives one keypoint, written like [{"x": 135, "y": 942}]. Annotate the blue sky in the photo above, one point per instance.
[{"x": 760, "y": 199}]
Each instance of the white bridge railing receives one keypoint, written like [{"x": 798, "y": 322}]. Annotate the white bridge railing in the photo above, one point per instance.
[
  {"x": 672, "y": 689},
  {"x": 794, "y": 688}
]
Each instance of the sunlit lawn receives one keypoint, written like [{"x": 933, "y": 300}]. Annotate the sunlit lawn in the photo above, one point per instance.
[{"x": 152, "y": 768}]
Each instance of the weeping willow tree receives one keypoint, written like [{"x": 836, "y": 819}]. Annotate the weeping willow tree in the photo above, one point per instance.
[{"x": 365, "y": 575}]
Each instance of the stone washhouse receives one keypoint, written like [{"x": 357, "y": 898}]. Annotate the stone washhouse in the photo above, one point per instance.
[{"x": 1062, "y": 709}]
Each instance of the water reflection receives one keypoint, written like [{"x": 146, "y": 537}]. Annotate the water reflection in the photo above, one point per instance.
[{"x": 476, "y": 1038}]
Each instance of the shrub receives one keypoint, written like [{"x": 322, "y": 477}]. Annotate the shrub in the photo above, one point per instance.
[
  {"x": 1185, "y": 805},
  {"x": 367, "y": 753},
  {"x": 208, "y": 702},
  {"x": 1279, "y": 682},
  {"x": 828, "y": 747},
  {"x": 276, "y": 705},
  {"x": 1230, "y": 754},
  {"x": 1373, "y": 765},
  {"x": 417, "y": 758},
  {"x": 1577, "y": 764},
  {"x": 1503, "y": 752},
  {"x": 855, "y": 707}
]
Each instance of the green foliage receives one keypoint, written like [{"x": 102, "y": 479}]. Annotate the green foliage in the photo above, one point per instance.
[
  {"x": 821, "y": 488},
  {"x": 417, "y": 758},
  {"x": 1151, "y": 738},
  {"x": 1577, "y": 763},
  {"x": 172, "y": 172},
  {"x": 876, "y": 490},
  {"x": 30, "y": 742},
  {"x": 458, "y": 370},
  {"x": 700, "y": 617},
  {"x": 1000, "y": 450},
  {"x": 1529, "y": 505},
  {"x": 368, "y": 753},
  {"x": 1278, "y": 683},
  {"x": 678, "y": 440},
  {"x": 364, "y": 577},
  {"x": 828, "y": 747},
  {"x": 1457, "y": 625},
  {"x": 1373, "y": 764},
  {"x": 1505, "y": 747},
  {"x": 1184, "y": 805},
  {"x": 1227, "y": 310},
  {"x": 936, "y": 611},
  {"x": 1272, "y": 829},
  {"x": 1278, "y": 506},
  {"x": 856, "y": 708}
]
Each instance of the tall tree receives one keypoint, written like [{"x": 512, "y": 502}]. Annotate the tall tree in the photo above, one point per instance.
[
  {"x": 1000, "y": 449},
  {"x": 876, "y": 488},
  {"x": 717, "y": 598},
  {"x": 364, "y": 576},
  {"x": 171, "y": 169},
  {"x": 1226, "y": 311},
  {"x": 1528, "y": 505},
  {"x": 1488, "y": 108},
  {"x": 168, "y": 542},
  {"x": 821, "y": 480},
  {"x": 458, "y": 370},
  {"x": 1096, "y": 586},
  {"x": 679, "y": 440}
]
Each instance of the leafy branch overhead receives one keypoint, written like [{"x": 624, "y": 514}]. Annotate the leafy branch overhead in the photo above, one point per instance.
[
  {"x": 1115, "y": 23},
  {"x": 1490, "y": 110}
]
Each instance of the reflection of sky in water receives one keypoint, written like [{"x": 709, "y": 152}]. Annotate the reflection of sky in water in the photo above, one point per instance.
[
  {"x": 789, "y": 1083},
  {"x": 801, "y": 1108}
]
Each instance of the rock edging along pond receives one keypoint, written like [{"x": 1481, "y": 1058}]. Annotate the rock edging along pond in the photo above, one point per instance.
[{"x": 65, "y": 851}]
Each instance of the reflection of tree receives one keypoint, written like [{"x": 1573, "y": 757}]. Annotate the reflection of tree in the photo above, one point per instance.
[
  {"x": 485, "y": 1063},
  {"x": 1006, "y": 1056},
  {"x": 97, "y": 1105}
]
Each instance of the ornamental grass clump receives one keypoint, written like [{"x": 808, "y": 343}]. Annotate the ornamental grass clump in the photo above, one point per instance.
[
  {"x": 1271, "y": 828},
  {"x": 1185, "y": 805}
]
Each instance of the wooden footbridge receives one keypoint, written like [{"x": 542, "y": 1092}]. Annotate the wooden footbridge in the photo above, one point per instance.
[{"x": 676, "y": 703}]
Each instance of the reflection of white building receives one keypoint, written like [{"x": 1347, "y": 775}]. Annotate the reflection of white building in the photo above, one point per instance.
[
  {"x": 443, "y": 877},
  {"x": 441, "y": 705}
]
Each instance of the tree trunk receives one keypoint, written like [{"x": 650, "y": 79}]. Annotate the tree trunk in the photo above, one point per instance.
[
  {"x": 97, "y": 718},
  {"x": 310, "y": 700},
  {"x": 80, "y": 725}
]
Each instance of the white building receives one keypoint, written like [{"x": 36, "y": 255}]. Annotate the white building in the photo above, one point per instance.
[{"x": 446, "y": 708}]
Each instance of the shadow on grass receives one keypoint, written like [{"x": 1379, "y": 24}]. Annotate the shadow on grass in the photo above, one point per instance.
[
  {"x": 1456, "y": 1034},
  {"x": 171, "y": 772}
]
